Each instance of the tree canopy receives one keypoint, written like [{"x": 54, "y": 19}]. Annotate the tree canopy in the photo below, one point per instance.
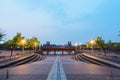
[
  {"x": 16, "y": 42},
  {"x": 33, "y": 42},
  {"x": 97, "y": 43},
  {"x": 100, "y": 43},
  {"x": 2, "y": 34}
]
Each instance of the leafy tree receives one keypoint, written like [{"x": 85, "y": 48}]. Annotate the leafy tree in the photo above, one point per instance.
[
  {"x": 109, "y": 44},
  {"x": 14, "y": 43},
  {"x": 2, "y": 34},
  {"x": 116, "y": 46},
  {"x": 29, "y": 44},
  {"x": 32, "y": 43},
  {"x": 89, "y": 45},
  {"x": 101, "y": 44},
  {"x": 9, "y": 45},
  {"x": 17, "y": 40}
]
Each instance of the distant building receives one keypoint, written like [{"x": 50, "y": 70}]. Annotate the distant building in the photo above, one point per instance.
[
  {"x": 57, "y": 45},
  {"x": 48, "y": 43},
  {"x": 69, "y": 43}
]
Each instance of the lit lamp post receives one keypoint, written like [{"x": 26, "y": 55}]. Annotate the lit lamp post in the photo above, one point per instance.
[
  {"x": 92, "y": 43},
  {"x": 39, "y": 47},
  {"x": 11, "y": 50},
  {"x": 35, "y": 44},
  {"x": 80, "y": 46},
  {"x": 76, "y": 47},
  {"x": 76, "y": 44},
  {"x": 23, "y": 43}
]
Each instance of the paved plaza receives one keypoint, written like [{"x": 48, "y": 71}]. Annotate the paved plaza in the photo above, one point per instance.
[
  {"x": 72, "y": 70},
  {"x": 76, "y": 70},
  {"x": 34, "y": 71}
]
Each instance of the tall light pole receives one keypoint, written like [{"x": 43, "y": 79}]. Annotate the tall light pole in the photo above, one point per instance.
[
  {"x": 92, "y": 43},
  {"x": 80, "y": 46},
  {"x": 39, "y": 47},
  {"x": 76, "y": 45},
  {"x": 35, "y": 44},
  {"x": 23, "y": 43}
]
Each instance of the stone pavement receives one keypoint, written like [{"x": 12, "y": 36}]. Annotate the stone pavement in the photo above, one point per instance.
[
  {"x": 34, "y": 71},
  {"x": 69, "y": 69},
  {"x": 76, "y": 70},
  {"x": 103, "y": 60}
]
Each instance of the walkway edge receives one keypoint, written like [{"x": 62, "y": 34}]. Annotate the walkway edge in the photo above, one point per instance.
[
  {"x": 105, "y": 61},
  {"x": 63, "y": 76}
]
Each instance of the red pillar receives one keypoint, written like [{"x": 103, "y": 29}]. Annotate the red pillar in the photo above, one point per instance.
[
  {"x": 62, "y": 52},
  {"x": 54, "y": 52},
  {"x": 47, "y": 52},
  {"x": 69, "y": 52}
]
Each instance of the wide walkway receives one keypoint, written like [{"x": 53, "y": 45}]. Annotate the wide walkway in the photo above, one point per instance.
[
  {"x": 68, "y": 68},
  {"x": 34, "y": 71},
  {"x": 76, "y": 70}
]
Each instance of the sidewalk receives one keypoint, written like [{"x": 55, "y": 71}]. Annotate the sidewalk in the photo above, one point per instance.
[
  {"x": 35, "y": 71},
  {"x": 102, "y": 60},
  {"x": 78, "y": 70},
  {"x": 15, "y": 60}
]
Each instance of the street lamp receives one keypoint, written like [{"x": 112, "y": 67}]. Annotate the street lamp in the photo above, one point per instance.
[
  {"x": 76, "y": 45},
  {"x": 35, "y": 45},
  {"x": 80, "y": 46},
  {"x": 11, "y": 50},
  {"x": 39, "y": 47},
  {"x": 23, "y": 43},
  {"x": 92, "y": 43}
]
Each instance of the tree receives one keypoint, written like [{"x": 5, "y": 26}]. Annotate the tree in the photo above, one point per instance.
[
  {"x": 2, "y": 34},
  {"x": 32, "y": 43},
  {"x": 89, "y": 45},
  {"x": 9, "y": 45},
  {"x": 109, "y": 45},
  {"x": 17, "y": 40},
  {"x": 13, "y": 43},
  {"x": 101, "y": 44}
]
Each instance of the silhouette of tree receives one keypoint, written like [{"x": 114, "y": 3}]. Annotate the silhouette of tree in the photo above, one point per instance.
[
  {"x": 2, "y": 34},
  {"x": 101, "y": 44}
]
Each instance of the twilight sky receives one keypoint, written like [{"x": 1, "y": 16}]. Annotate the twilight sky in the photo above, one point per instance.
[{"x": 60, "y": 21}]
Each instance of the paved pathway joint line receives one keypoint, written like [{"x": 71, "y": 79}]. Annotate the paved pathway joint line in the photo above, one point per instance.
[{"x": 57, "y": 72}]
